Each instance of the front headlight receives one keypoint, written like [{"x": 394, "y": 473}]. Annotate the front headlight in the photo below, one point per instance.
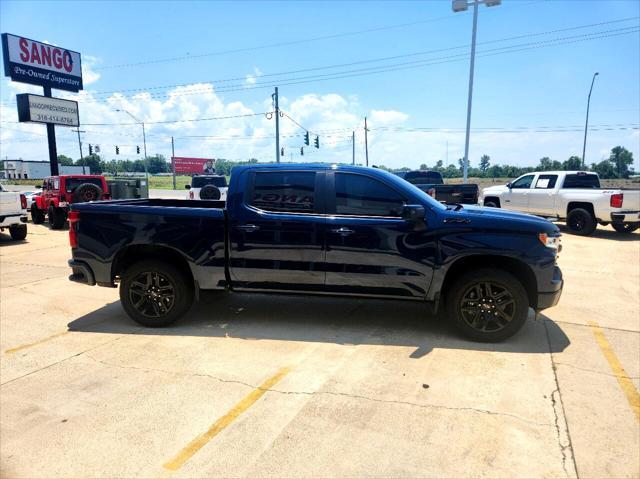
[{"x": 552, "y": 242}]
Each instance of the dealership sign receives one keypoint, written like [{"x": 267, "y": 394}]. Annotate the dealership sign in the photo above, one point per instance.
[
  {"x": 194, "y": 166},
  {"x": 28, "y": 61},
  {"x": 42, "y": 109}
]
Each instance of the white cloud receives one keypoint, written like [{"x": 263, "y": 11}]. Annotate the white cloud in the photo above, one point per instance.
[
  {"x": 252, "y": 78},
  {"x": 89, "y": 75},
  {"x": 388, "y": 117}
]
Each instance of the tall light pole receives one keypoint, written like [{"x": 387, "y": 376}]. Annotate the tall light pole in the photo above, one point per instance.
[
  {"x": 144, "y": 142},
  {"x": 78, "y": 131},
  {"x": 461, "y": 6},
  {"x": 586, "y": 123}
]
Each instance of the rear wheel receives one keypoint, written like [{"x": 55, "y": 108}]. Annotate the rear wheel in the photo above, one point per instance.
[
  {"x": 488, "y": 305},
  {"x": 155, "y": 294},
  {"x": 581, "y": 222},
  {"x": 626, "y": 227},
  {"x": 37, "y": 215},
  {"x": 56, "y": 217},
  {"x": 18, "y": 232}
]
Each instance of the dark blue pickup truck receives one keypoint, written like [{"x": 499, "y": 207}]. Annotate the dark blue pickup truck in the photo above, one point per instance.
[{"x": 320, "y": 229}]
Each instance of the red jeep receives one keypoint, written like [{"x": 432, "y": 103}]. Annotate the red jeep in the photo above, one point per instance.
[{"x": 58, "y": 192}]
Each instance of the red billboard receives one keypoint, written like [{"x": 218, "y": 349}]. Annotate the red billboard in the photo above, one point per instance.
[{"x": 193, "y": 166}]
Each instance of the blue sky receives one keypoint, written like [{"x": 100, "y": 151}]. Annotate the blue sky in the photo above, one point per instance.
[{"x": 543, "y": 86}]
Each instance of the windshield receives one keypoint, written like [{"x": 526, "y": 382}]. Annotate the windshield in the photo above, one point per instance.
[{"x": 200, "y": 181}]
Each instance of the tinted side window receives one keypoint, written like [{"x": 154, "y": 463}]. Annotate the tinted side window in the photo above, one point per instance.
[
  {"x": 363, "y": 196},
  {"x": 581, "y": 181},
  {"x": 546, "y": 181},
  {"x": 287, "y": 191},
  {"x": 523, "y": 183}
]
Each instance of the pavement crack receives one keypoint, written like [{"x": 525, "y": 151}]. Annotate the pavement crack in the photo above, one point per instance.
[
  {"x": 604, "y": 373},
  {"x": 560, "y": 418},
  {"x": 330, "y": 393}
]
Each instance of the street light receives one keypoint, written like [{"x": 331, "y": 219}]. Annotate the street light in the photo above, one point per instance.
[
  {"x": 461, "y": 6},
  {"x": 144, "y": 142},
  {"x": 586, "y": 123}
]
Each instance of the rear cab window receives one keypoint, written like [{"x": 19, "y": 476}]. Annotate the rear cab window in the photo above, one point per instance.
[
  {"x": 200, "y": 181},
  {"x": 581, "y": 180},
  {"x": 284, "y": 191}
]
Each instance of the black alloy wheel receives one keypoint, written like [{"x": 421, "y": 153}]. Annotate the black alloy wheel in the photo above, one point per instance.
[
  {"x": 155, "y": 293},
  {"x": 581, "y": 222},
  {"x": 152, "y": 294},
  {"x": 487, "y": 307}
]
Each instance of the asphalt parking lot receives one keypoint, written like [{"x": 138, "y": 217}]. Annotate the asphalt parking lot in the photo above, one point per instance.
[{"x": 285, "y": 386}]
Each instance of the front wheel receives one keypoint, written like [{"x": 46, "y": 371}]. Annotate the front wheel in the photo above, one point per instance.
[
  {"x": 155, "y": 294},
  {"x": 37, "y": 215},
  {"x": 487, "y": 305},
  {"x": 18, "y": 232},
  {"x": 491, "y": 204},
  {"x": 626, "y": 227}
]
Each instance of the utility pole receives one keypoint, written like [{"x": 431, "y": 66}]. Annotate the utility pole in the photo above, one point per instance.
[
  {"x": 461, "y": 6},
  {"x": 277, "y": 113},
  {"x": 366, "y": 141},
  {"x": 353, "y": 147},
  {"x": 173, "y": 163},
  {"x": 447, "y": 157},
  {"x": 78, "y": 131},
  {"x": 586, "y": 123}
]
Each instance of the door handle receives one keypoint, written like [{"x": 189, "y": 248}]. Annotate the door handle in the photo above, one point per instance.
[
  {"x": 248, "y": 228},
  {"x": 342, "y": 231}
]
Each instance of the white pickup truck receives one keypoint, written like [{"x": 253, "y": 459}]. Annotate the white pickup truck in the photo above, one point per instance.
[
  {"x": 573, "y": 196},
  {"x": 13, "y": 213}
]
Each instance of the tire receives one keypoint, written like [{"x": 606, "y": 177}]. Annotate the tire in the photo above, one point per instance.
[
  {"x": 491, "y": 204},
  {"x": 37, "y": 215},
  {"x": 56, "y": 217},
  {"x": 626, "y": 227},
  {"x": 581, "y": 222},
  {"x": 143, "y": 286},
  {"x": 87, "y": 192},
  {"x": 18, "y": 232},
  {"x": 209, "y": 192},
  {"x": 499, "y": 313}
]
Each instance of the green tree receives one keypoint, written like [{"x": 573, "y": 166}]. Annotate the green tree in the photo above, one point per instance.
[
  {"x": 545, "y": 164},
  {"x": 461, "y": 163},
  {"x": 621, "y": 159},
  {"x": 484, "y": 163},
  {"x": 573, "y": 163},
  {"x": 93, "y": 162},
  {"x": 157, "y": 164},
  {"x": 605, "y": 169},
  {"x": 64, "y": 160},
  {"x": 424, "y": 166}
]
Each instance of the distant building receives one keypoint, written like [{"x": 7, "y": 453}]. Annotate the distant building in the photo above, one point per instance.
[{"x": 27, "y": 170}]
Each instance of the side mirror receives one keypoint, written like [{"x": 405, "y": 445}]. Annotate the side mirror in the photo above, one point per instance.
[
  {"x": 413, "y": 213},
  {"x": 509, "y": 185},
  {"x": 187, "y": 187}
]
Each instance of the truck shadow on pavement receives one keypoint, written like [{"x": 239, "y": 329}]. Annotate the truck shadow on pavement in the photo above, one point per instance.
[{"x": 255, "y": 317}]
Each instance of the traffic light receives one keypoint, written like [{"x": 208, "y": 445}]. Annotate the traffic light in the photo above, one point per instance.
[
  {"x": 316, "y": 142},
  {"x": 97, "y": 148},
  {"x": 90, "y": 150},
  {"x": 117, "y": 150},
  {"x": 282, "y": 151},
  {"x": 306, "y": 138},
  {"x": 138, "y": 150},
  {"x": 302, "y": 151}
]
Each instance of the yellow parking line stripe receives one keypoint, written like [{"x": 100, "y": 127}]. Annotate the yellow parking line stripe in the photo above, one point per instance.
[
  {"x": 199, "y": 442},
  {"x": 625, "y": 383},
  {"x": 25, "y": 346}
]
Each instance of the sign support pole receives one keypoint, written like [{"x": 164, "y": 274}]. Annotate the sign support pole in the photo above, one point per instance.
[
  {"x": 173, "y": 163},
  {"x": 51, "y": 139}
]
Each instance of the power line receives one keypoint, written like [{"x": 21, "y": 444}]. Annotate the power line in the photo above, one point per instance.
[
  {"x": 374, "y": 60},
  {"x": 408, "y": 65}
]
